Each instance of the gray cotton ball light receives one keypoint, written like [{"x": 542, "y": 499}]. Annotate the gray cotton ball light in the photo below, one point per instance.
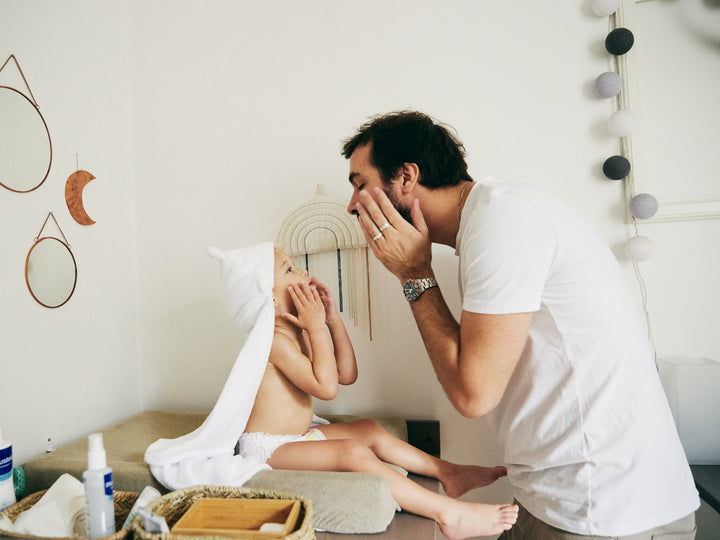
[
  {"x": 608, "y": 84},
  {"x": 643, "y": 206}
]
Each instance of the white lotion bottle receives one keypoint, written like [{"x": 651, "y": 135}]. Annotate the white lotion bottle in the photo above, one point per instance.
[
  {"x": 7, "y": 487},
  {"x": 98, "y": 483}
]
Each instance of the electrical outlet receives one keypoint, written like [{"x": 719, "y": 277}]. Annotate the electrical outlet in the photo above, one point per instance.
[{"x": 425, "y": 435}]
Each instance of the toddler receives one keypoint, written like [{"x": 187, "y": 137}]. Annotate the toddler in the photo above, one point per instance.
[{"x": 311, "y": 355}]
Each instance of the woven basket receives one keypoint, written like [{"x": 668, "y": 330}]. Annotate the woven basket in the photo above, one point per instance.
[
  {"x": 174, "y": 505},
  {"x": 124, "y": 501}
]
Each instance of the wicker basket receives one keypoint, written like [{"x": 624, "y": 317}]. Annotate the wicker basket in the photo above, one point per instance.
[
  {"x": 174, "y": 505},
  {"x": 124, "y": 501}
]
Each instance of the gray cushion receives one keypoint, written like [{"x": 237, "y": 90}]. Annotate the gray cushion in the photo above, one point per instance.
[{"x": 343, "y": 502}]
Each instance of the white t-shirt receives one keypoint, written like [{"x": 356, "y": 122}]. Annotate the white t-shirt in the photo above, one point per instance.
[{"x": 586, "y": 431}]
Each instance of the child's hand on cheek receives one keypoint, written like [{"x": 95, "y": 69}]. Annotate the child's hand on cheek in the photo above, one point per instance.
[
  {"x": 310, "y": 309},
  {"x": 331, "y": 310}
]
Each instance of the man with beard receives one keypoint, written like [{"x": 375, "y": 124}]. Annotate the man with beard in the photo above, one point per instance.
[{"x": 550, "y": 345}]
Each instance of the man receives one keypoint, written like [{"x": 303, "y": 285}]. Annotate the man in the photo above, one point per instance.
[{"x": 550, "y": 344}]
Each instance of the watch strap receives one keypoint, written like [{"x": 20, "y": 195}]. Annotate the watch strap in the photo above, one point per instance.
[{"x": 427, "y": 283}]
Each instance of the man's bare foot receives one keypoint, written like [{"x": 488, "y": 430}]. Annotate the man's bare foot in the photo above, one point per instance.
[
  {"x": 476, "y": 519},
  {"x": 463, "y": 478}
]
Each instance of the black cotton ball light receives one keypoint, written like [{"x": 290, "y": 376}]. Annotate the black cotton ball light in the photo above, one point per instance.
[
  {"x": 619, "y": 41},
  {"x": 616, "y": 167}
]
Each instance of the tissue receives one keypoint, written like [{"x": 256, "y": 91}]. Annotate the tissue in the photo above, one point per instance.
[{"x": 51, "y": 515}]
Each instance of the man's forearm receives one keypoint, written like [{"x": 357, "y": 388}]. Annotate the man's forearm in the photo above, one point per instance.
[
  {"x": 441, "y": 334},
  {"x": 475, "y": 359}
]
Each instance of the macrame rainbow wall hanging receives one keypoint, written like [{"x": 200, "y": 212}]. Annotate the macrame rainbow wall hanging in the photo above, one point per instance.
[{"x": 320, "y": 234}]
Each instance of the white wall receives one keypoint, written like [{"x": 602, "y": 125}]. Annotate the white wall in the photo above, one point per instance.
[
  {"x": 71, "y": 370},
  {"x": 236, "y": 111}
]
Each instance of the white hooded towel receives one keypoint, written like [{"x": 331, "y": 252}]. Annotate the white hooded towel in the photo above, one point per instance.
[{"x": 206, "y": 455}]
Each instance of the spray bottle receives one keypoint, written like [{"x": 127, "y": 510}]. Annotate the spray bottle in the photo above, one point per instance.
[
  {"x": 7, "y": 487},
  {"x": 98, "y": 483}
]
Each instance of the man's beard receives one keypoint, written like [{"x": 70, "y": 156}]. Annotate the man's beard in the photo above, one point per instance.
[{"x": 404, "y": 211}]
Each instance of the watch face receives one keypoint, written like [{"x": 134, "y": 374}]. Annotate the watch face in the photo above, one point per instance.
[{"x": 412, "y": 289}]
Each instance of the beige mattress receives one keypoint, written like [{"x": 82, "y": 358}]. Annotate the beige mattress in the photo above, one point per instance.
[{"x": 342, "y": 502}]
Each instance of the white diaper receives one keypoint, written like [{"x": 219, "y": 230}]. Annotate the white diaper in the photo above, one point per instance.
[{"x": 262, "y": 445}]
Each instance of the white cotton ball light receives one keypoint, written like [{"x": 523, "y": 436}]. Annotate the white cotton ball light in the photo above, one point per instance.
[
  {"x": 608, "y": 84},
  {"x": 643, "y": 206},
  {"x": 639, "y": 248},
  {"x": 603, "y": 8},
  {"x": 621, "y": 123}
]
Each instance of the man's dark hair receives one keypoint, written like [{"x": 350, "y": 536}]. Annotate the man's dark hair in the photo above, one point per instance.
[{"x": 412, "y": 137}]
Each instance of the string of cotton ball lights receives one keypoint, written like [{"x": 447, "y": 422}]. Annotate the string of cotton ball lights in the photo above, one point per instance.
[{"x": 621, "y": 124}]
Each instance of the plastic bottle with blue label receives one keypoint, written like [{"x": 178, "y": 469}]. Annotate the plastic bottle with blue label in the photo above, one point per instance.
[
  {"x": 7, "y": 488},
  {"x": 98, "y": 483}
]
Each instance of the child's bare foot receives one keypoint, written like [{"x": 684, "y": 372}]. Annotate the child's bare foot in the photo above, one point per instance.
[
  {"x": 476, "y": 519},
  {"x": 463, "y": 478}
]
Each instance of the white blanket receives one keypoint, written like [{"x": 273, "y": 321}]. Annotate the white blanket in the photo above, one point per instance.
[{"x": 205, "y": 456}]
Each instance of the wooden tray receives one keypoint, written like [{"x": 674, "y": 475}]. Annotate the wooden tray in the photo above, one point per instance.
[{"x": 239, "y": 517}]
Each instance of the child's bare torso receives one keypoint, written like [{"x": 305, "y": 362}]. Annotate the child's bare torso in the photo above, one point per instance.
[{"x": 281, "y": 408}]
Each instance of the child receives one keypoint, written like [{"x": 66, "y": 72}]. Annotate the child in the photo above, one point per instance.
[{"x": 311, "y": 354}]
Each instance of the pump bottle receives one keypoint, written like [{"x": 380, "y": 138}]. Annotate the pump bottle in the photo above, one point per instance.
[
  {"x": 98, "y": 483},
  {"x": 7, "y": 487}
]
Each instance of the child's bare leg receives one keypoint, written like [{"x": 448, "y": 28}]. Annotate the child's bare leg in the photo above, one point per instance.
[
  {"x": 456, "y": 479},
  {"x": 456, "y": 519}
]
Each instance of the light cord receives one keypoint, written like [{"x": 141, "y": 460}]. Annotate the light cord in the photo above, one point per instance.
[{"x": 623, "y": 103}]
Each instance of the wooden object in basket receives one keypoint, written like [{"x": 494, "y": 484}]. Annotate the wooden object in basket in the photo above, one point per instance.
[{"x": 239, "y": 517}]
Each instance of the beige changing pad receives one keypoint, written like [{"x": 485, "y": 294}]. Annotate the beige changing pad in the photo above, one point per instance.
[{"x": 342, "y": 502}]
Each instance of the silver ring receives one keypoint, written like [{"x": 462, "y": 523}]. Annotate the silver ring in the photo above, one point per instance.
[
  {"x": 384, "y": 226},
  {"x": 378, "y": 235}
]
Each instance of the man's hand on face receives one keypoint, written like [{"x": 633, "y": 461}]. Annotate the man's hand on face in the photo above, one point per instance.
[{"x": 403, "y": 248}]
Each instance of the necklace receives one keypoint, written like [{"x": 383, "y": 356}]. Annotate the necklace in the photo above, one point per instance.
[{"x": 461, "y": 199}]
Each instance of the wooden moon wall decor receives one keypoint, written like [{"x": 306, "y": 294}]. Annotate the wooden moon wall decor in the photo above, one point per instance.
[
  {"x": 321, "y": 225},
  {"x": 74, "y": 186}
]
